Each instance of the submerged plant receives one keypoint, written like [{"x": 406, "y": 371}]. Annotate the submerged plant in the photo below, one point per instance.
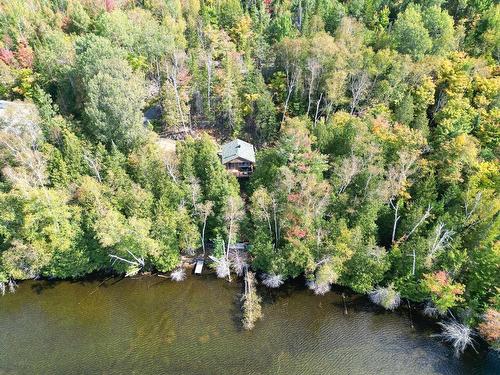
[
  {"x": 458, "y": 335},
  {"x": 178, "y": 275},
  {"x": 272, "y": 280},
  {"x": 387, "y": 297},
  {"x": 252, "y": 309}
]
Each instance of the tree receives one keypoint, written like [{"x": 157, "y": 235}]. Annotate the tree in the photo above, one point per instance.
[
  {"x": 175, "y": 101},
  {"x": 233, "y": 215},
  {"x": 263, "y": 210},
  {"x": 79, "y": 20},
  {"x": 252, "y": 310},
  {"x": 490, "y": 327},
  {"x": 205, "y": 209},
  {"x": 45, "y": 228},
  {"x": 91, "y": 52},
  {"x": 115, "y": 97},
  {"x": 127, "y": 240},
  {"x": 137, "y": 31},
  {"x": 440, "y": 27},
  {"x": 365, "y": 268},
  {"x": 444, "y": 293},
  {"x": 484, "y": 38},
  {"x": 291, "y": 55},
  {"x": 55, "y": 58},
  {"x": 284, "y": 231},
  {"x": 226, "y": 86},
  {"x": 199, "y": 159},
  {"x": 20, "y": 140},
  {"x": 409, "y": 33}
]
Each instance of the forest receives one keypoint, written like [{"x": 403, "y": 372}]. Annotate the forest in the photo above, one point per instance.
[{"x": 376, "y": 125}]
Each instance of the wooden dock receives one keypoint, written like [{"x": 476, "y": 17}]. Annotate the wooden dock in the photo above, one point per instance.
[{"x": 199, "y": 267}]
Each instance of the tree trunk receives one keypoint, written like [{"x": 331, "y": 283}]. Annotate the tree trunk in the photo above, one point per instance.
[
  {"x": 291, "y": 85},
  {"x": 173, "y": 72},
  {"x": 276, "y": 229},
  {"x": 396, "y": 219},
  {"x": 300, "y": 16},
  {"x": 227, "y": 251},
  {"x": 317, "y": 109},
  {"x": 203, "y": 235},
  {"x": 414, "y": 262},
  {"x": 209, "y": 79},
  {"x": 422, "y": 219},
  {"x": 310, "y": 94}
]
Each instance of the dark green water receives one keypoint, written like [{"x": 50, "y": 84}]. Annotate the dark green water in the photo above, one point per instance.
[{"x": 154, "y": 326}]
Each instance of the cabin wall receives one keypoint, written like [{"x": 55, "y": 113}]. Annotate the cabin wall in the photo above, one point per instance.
[{"x": 241, "y": 168}]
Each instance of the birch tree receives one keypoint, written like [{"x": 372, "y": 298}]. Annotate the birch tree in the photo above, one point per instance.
[
  {"x": 20, "y": 141},
  {"x": 232, "y": 215},
  {"x": 205, "y": 209},
  {"x": 175, "y": 91},
  {"x": 262, "y": 209}
]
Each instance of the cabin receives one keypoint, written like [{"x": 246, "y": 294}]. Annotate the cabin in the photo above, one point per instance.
[
  {"x": 238, "y": 246},
  {"x": 9, "y": 109},
  {"x": 18, "y": 114},
  {"x": 3, "y": 106},
  {"x": 238, "y": 157}
]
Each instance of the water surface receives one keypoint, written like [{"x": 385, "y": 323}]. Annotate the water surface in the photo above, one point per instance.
[{"x": 151, "y": 325}]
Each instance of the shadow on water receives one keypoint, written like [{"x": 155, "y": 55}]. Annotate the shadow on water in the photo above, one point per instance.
[
  {"x": 237, "y": 312},
  {"x": 152, "y": 325},
  {"x": 268, "y": 296},
  {"x": 40, "y": 286},
  {"x": 472, "y": 362},
  {"x": 271, "y": 296},
  {"x": 98, "y": 280}
]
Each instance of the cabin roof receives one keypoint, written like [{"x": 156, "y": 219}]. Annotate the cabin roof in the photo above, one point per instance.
[
  {"x": 4, "y": 105},
  {"x": 18, "y": 112},
  {"x": 237, "y": 149}
]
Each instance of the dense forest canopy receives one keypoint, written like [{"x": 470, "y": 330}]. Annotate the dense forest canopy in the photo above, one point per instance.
[{"x": 376, "y": 124}]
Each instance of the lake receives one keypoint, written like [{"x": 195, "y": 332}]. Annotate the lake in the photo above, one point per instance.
[{"x": 151, "y": 325}]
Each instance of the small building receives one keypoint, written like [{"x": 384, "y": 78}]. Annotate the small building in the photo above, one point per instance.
[
  {"x": 19, "y": 114},
  {"x": 239, "y": 157},
  {"x": 238, "y": 246},
  {"x": 9, "y": 109},
  {"x": 3, "y": 106}
]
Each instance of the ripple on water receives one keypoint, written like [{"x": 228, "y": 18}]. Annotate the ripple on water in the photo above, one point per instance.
[{"x": 154, "y": 326}]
